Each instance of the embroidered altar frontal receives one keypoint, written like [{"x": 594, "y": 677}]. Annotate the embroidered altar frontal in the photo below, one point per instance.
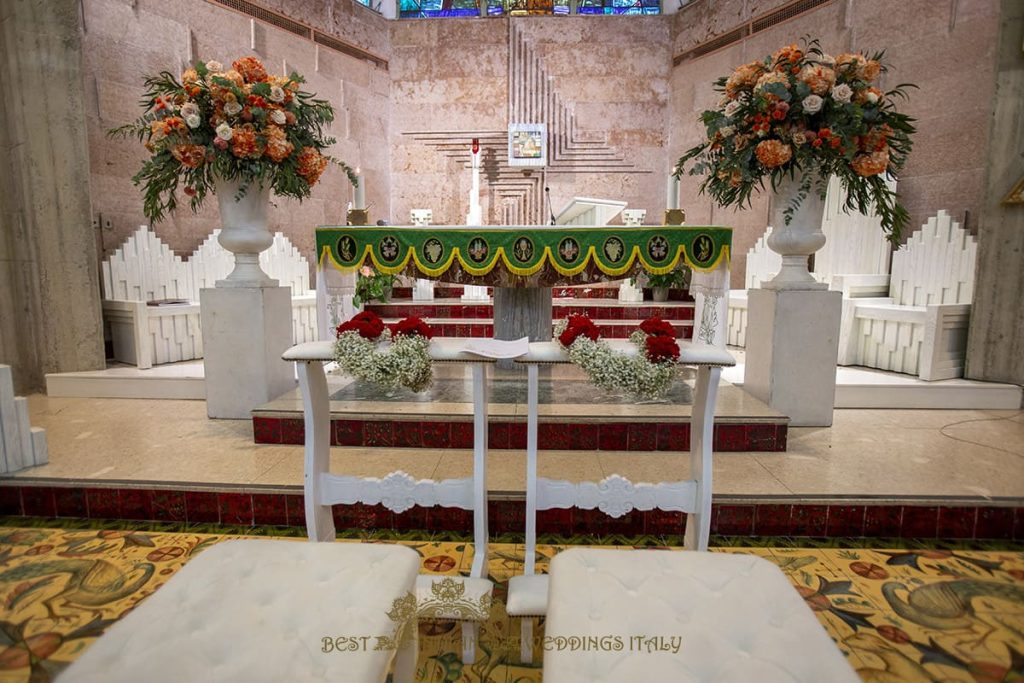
[{"x": 539, "y": 255}]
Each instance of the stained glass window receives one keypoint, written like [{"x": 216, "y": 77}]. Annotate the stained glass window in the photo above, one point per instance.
[
  {"x": 368, "y": 3},
  {"x": 618, "y": 7},
  {"x": 418, "y": 9}
]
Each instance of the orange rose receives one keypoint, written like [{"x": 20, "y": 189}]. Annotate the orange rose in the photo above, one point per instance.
[
  {"x": 744, "y": 76},
  {"x": 773, "y": 153},
  {"x": 278, "y": 147},
  {"x": 871, "y": 164},
  {"x": 869, "y": 70},
  {"x": 189, "y": 77},
  {"x": 785, "y": 56},
  {"x": 251, "y": 69},
  {"x": 191, "y": 156},
  {"x": 311, "y": 164},
  {"x": 244, "y": 143},
  {"x": 818, "y": 78}
]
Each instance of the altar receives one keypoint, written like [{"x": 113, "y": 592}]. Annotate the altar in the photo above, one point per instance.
[{"x": 523, "y": 263}]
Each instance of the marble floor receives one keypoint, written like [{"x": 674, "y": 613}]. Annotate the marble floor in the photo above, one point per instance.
[{"x": 910, "y": 454}]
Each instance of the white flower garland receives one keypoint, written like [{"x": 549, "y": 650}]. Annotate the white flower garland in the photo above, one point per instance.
[
  {"x": 388, "y": 361},
  {"x": 634, "y": 374}
]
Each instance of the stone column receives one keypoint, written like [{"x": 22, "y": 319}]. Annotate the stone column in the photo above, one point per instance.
[
  {"x": 995, "y": 344},
  {"x": 50, "y": 318}
]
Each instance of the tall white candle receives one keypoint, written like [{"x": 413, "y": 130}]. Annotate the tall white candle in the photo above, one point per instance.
[
  {"x": 359, "y": 201},
  {"x": 672, "y": 191}
]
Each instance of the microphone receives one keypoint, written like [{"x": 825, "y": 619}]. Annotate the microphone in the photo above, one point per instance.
[{"x": 547, "y": 193}]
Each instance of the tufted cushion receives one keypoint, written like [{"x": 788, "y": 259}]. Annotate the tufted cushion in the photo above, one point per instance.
[
  {"x": 736, "y": 618},
  {"x": 453, "y": 597},
  {"x": 258, "y": 610},
  {"x": 527, "y": 595}
]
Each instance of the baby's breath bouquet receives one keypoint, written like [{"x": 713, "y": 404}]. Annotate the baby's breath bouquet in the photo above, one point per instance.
[
  {"x": 238, "y": 123},
  {"x": 800, "y": 113},
  {"x": 646, "y": 374},
  {"x": 368, "y": 350}
]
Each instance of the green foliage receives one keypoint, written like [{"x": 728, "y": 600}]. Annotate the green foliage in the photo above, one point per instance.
[{"x": 373, "y": 286}]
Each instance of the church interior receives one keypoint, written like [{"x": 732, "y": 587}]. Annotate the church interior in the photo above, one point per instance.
[{"x": 511, "y": 340}]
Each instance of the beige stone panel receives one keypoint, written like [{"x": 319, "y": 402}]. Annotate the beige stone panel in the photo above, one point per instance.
[{"x": 415, "y": 33}]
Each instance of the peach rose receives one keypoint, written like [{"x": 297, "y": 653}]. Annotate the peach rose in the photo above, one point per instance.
[
  {"x": 191, "y": 156},
  {"x": 818, "y": 78},
  {"x": 744, "y": 76}
]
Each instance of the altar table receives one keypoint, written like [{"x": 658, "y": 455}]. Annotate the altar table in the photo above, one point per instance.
[{"x": 524, "y": 262}]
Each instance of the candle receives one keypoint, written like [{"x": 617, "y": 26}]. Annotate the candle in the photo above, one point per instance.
[
  {"x": 359, "y": 200},
  {"x": 672, "y": 190}
]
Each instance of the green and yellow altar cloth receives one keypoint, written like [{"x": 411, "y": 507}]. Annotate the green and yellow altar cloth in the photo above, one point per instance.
[{"x": 517, "y": 256}]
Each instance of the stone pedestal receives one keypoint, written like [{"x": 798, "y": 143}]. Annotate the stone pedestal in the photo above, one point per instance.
[
  {"x": 792, "y": 346},
  {"x": 245, "y": 331}
]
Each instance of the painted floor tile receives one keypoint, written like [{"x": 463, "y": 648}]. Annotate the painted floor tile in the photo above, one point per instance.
[{"x": 913, "y": 614}]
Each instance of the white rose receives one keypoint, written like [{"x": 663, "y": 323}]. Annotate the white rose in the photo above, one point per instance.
[
  {"x": 812, "y": 104},
  {"x": 232, "y": 108},
  {"x": 190, "y": 109},
  {"x": 276, "y": 94},
  {"x": 224, "y": 132},
  {"x": 193, "y": 121},
  {"x": 761, "y": 132},
  {"x": 731, "y": 108},
  {"x": 872, "y": 97},
  {"x": 799, "y": 138},
  {"x": 727, "y": 131},
  {"x": 842, "y": 93},
  {"x": 827, "y": 59},
  {"x": 214, "y": 65},
  {"x": 277, "y": 116}
]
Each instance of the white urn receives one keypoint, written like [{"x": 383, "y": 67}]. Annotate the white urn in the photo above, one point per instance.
[
  {"x": 244, "y": 231},
  {"x": 796, "y": 239}
]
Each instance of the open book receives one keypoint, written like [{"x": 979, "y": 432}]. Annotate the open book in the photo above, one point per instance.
[{"x": 498, "y": 348}]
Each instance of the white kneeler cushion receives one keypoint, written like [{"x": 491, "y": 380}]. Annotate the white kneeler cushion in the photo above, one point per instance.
[
  {"x": 734, "y": 618},
  {"x": 259, "y": 610}
]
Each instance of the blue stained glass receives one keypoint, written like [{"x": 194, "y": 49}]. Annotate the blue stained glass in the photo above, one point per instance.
[{"x": 410, "y": 9}]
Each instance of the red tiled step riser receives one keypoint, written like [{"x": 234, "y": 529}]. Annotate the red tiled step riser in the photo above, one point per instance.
[
  {"x": 467, "y": 311},
  {"x": 507, "y": 516},
  {"x": 586, "y": 436},
  {"x": 486, "y": 330}
]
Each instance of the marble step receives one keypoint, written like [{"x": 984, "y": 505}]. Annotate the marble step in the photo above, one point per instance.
[{"x": 484, "y": 327}]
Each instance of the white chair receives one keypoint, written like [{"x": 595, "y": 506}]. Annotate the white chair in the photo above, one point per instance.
[
  {"x": 615, "y": 495},
  {"x": 662, "y": 615},
  {"x": 464, "y": 599},
  {"x": 762, "y": 265},
  {"x": 854, "y": 260},
  {"x": 268, "y": 610},
  {"x": 921, "y": 327},
  {"x": 144, "y": 269}
]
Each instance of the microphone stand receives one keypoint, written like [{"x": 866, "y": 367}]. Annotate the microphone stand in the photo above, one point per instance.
[{"x": 547, "y": 193}]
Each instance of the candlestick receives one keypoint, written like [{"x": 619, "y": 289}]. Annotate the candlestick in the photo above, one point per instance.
[
  {"x": 359, "y": 200},
  {"x": 672, "y": 191}
]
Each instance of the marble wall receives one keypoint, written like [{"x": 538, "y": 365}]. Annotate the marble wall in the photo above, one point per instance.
[
  {"x": 947, "y": 49},
  {"x": 49, "y": 274},
  {"x": 600, "y": 83},
  {"x": 995, "y": 349},
  {"x": 124, "y": 39}
]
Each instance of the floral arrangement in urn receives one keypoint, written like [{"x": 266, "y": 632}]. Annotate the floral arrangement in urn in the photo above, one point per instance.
[
  {"x": 803, "y": 115},
  {"x": 239, "y": 124},
  {"x": 368, "y": 349},
  {"x": 645, "y": 372}
]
